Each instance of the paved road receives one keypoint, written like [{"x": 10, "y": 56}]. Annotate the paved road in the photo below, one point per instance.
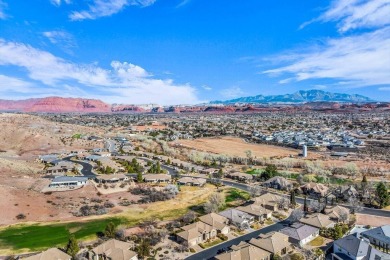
[
  {"x": 87, "y": 168},
  {"x": 211, "y": 252},
  {"x": 110, "y": 145}
]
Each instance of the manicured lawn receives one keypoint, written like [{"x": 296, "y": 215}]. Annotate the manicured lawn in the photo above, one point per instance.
[
  {"x": 236, "y": 194},
  {"x": 254, "y": 171},
  {"x": 37, "y": 236},
  {"x": 318, "y": 241},
  {"x": 212, "y": 243}
]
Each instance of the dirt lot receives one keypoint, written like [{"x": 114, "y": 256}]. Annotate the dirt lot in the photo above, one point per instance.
[
  {"x": 374, "y": 221},
  {"x": 233, "y": 146}
]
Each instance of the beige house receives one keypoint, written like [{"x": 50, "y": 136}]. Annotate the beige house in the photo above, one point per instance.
[
  {"x": 113, "y": 250},
  {"x": 220, "y": 223},
  {"x": 206, "y": 228},
  {"x": 258, "y": 212},
  {"x": 157, "y": 178},
  {"x": 191, "y": 181},
  {"x": 244, "y": 177},
  {"x": 315, "y": 189},
  {"x": 111, "y": 178},
  {"x": 196, "y": 233},
  {"x": 268, "y": 201},
  {"x": 338, "y": 213},
  {"x": 318, "y": 220},
  {"x": 50, "y": 254},
  {"x": 245, "y": 251},
  {"x": 273, "y": 242}
]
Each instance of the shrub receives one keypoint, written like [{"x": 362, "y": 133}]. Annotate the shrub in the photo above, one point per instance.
[
  {"x": 192, "y": 250},
  {"x": 222, "y": 237},
  {"x": 21, "y": 216}
]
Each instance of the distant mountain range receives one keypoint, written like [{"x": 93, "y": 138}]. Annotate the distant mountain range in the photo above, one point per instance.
[
  {"x": 301, "y": 96},
  {"x": 299, "y": 101}
]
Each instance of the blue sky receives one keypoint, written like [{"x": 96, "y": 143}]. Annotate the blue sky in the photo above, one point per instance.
[{"x": 190, "y": 51}]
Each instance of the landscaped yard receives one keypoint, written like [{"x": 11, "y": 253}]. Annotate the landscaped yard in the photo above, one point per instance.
[
  {"x": 34, "y": 236},
  {"x": 211, "y": 243},
  {"x": 318, "y": 241},
  {"x": 233, "y": 194}
]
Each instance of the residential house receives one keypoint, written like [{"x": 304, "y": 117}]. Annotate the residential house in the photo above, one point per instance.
[
  {"x": 61, "y": 168},
  {"x": 191, "y": 181},
  {"x": 244, "y": 177},
  {"x": 279, "y": 183},
  {"x": 346, "y": 192},
  {"x": 337, "y": 213},
  {"x": 275, "y": 243},
  {"x": 245, "y": 251},
  {"x": 268, "y": 200},
  {"x": 111, "y": 178},
  {"x": 315, "y": 189},
  {"x": 318, "y": 220},
  {"x": 196, "y": 233},
  {"x": 50, "y": 254},
  {"x": 48, "y": 158},
  {"x": 258, "y": 212},
  {"x": 353, "y": 248},
  {"x": 220, "y": 223},
  {"x": 208, "y": 171},
  {"x": 300, "y": 234},
  {"x": 67, "y": 181},
  {"x": 157, "y": 178},
  {"x": 238, "y": 218},
  {"x": 379, "y": 236},
  {"x": 113, "y": 250}
]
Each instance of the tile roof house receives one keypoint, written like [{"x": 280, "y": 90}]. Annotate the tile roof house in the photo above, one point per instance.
[
  {"x": 196, "y": 233},
  {"x": 379, "y": 236},
  {"x": 257, "y": 211},
  {"x": 50, "y": 254},
  {"x": 346, "y": 192},
  {"x": 268, "y": 201},
  {"x": 111, "y": 178},
  {"x": 354, "y": 248},
  {"x": 300, "y": 234},
  {"x": 191, "y": 181},
  {"x": 220, "y": 223},
  {"x": 238, "y": 218},
  {"x": 113, "y": 250},
  {"x": 279, "y": 183},
  {"x": 244, "y": 177},
  {"x": 318, "y": 220},
  {"x": 337, "y": 213},
  {"x": 315, "y": 189},
  {"x": 273, "y": 242},
  {"x": 157, "y": 177},
  {"x": 245, "y": 251}
]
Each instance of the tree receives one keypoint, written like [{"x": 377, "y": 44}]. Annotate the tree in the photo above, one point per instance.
[
  {"x": 292, "y": 198},
  {"x": 305, "y": 207},
  {"x": 215, "y": 202},
  {"x": 110, "y": 230},
  {"x": 143, "y": 248},
  {"x": 255, "y": 191},
  {"x": 382, "y": 194},
  {"x": 354, "y": 205},
  {"x": 218, "y": 174},
  {"x": 140, "y": 178},
  {"x": 296, "y": 215},
  {"x": 269, "y": 172},
  {"x": 72, "y": 248}
]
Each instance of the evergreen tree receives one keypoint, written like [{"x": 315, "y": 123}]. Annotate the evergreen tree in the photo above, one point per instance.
[
  {"x": 72, "y": 248},
  {"x": 292, "y": 198},
  {"x": 305, "y": 207},
  {"x": 382, "y": 194},
  {"x": 140, "y": 177},
  {"x": 110, "y": 230},
  {"x": 143, "y": 248}
]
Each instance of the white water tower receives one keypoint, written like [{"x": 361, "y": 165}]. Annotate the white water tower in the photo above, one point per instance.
[{"x": 304, "y": 151}]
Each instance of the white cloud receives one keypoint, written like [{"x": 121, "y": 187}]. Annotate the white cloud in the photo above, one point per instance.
[
  {"x": 384, "y": 89},
  {"x": 183, "y": 3},
  {"x": 208, "y": 88},
  {"x": 353, "y": 14},
  {"x": 232, "y": 92},
  {"x": 101, "y": 8},
  {"x": 62, "y": 39},
  {"x": 360, "y": 60},
  {"x": 3, "y": 5},
  {"x": 59, "y": 2},
  {"x": 122, "y": 83},
  {"x": 14, "y": 85}
]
